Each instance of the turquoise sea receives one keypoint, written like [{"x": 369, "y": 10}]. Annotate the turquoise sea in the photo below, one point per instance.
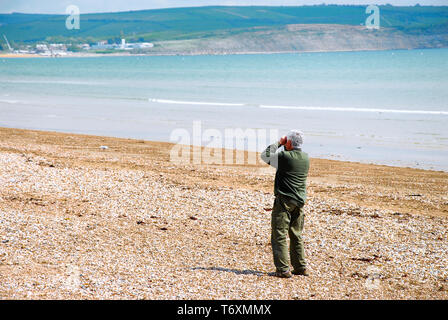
[{"x": 387, "y": 107}]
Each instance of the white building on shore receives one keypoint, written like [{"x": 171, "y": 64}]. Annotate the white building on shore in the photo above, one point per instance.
[{"x": 135, "y": 45}]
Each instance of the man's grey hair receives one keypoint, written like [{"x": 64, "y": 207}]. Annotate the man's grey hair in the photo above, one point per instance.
[{"x": 296, "y": 137}]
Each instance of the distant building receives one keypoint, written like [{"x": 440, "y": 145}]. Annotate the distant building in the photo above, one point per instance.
[
  {"x": 51, "y": 50},
  {"x": 58, "y": 46},
  {"x": 135, "y": 45},
  {"x": 143, "y": 45},
  {"x": 41, "y": 47},
  {"x": 102, "y": 45}
]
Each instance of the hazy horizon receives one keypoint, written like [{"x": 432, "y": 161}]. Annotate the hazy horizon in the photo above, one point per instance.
[{"x": 86, "y": 6}]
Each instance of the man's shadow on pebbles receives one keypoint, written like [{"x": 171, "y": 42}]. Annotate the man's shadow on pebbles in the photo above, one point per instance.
[{"x": 235, "y": 271}]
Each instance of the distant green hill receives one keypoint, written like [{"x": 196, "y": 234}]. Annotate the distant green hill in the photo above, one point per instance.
[{"x": 204, "y": 22}]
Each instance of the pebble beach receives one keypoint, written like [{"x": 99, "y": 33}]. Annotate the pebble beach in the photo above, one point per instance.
[{"x": 90, "y": 217}]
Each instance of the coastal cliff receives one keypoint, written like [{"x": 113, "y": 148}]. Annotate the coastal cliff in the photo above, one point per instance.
[{"x": 304, "y": 38}]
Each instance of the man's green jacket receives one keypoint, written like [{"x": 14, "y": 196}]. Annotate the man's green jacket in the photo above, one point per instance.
[{"x": 292, "y": 171}]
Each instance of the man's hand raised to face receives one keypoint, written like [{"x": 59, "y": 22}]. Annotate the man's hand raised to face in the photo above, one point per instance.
[
  {"x": 283, "y": 140},
  {"x": 286, "y": 143}
]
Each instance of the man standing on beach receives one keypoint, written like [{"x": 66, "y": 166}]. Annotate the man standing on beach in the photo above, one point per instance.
[{"x": 292, "y": 166}]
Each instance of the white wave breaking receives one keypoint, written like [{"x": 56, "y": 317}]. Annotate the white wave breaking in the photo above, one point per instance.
[
  {"x": 197, "y": 103},
  {"x": 9, "y": 101}
]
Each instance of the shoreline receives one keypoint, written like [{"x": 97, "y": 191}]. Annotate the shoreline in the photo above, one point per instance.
[
  {"x": 80, "y": 221},
  {"x": 329, "y": 158},
  {"x": 155, "y": 54}
]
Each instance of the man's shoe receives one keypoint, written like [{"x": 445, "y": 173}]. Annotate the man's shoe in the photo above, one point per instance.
[
  {"x": 284, "y": 274},
  {"x": 303, "y": 272}
]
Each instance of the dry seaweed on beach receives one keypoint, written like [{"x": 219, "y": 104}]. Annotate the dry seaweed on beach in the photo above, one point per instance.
[{"x": 77, "y": 221}]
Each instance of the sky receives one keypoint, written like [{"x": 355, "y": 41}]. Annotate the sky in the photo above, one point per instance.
[{"x": 86, "y": 6}]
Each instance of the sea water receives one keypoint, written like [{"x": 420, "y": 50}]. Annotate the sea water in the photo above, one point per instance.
[{"x": 386, "y": 107}]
